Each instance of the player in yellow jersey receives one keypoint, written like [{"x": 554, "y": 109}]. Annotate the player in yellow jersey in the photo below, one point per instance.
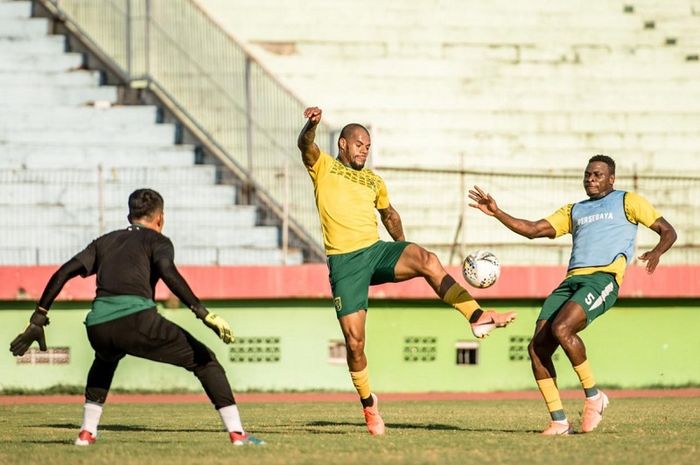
[
  {"x": 604, "y": 230},
  {"x": 346, "y": 196}
]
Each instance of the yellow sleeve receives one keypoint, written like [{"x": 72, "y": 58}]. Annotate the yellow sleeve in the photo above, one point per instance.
[
  {"x": 561, "y": 220},
  {"x": 639, "y": 210},
  {"x": 322, "y": 165},
  {"x": 382, "y": 201}
]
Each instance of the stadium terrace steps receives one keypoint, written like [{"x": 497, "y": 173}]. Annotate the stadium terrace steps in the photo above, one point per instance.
[
  {"x": 521, "y": 120},
  {"x": 59, "y": 126},
  {"x": 63, "y": 95},
  {"x": 24, "y": 29},
  {"x": 491, "y": 86},
  {"x": 226, "y": 256},
  {"x": 51, "y": 44},
  {"x": 15, "y": 9},
  {"x": 40, "y": 63},
  {"x": 65, "y": 235},
  {"x": 155, "y": 135},
  {"x": 230, "y": 216},
  {"x": 115, "y": 195},
  {"x": 77, "y": 78},
  {"x": 513, "y": 159},
  {"x": 462, "y": 141},
  {"x": 182, "y": 176},
  {"x": 62, "y": 115},
  {"x": 35, "y": 155}
]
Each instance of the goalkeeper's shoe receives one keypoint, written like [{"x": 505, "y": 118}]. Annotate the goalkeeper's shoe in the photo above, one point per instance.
[
  {"x": 556, "y": 428},
  {"x": 85, "y": 438},
  {"x": 245, "y": 439},
  {"x": 375, "y": 424},
  {"x": 490, "y": 320}
]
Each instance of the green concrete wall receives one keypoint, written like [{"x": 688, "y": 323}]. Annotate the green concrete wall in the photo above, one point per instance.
[{"x": 637, "y": 344}]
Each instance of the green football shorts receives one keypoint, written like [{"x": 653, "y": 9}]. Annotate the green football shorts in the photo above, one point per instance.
[
  {"x": 596, "y": 293},
  {"x": 352, "y": 273}
]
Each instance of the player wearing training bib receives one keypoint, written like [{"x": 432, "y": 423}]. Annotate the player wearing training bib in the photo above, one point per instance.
[
  {"x": 123, "y": 320},
  {"x": 604, "y": 231},
  {"x": 347, "y": 195}
]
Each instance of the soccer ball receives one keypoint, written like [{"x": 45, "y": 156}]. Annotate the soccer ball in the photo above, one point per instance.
[{"x": 481, "y": 269}]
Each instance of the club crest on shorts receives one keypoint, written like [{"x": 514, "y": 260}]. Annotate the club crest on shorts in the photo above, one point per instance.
[{"x": 338, "y": 304}]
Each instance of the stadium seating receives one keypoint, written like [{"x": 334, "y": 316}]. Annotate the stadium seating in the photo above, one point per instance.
[
  {"x": 500, "y": 86},
  {"x": 70, "y": 154}
]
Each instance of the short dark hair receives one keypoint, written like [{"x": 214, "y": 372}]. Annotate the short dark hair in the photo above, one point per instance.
[
  {"x": 350, "y": 128},
  {"x": 605, "y": 159},
  {"x": 144, "y": 203}
]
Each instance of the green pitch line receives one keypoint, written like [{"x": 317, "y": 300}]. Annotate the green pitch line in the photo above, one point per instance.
[{"x": 634, "y": 431}]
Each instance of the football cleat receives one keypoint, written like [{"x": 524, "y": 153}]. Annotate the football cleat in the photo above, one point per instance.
[
  {"x": 375, "y": 424},
  {"x": 490, "y": 320},
  {"x": 558, "y": 429},
  {"x": 593, "y": 412},
  {"x": 85, "y": 438},
  {"x": 244, "y": 439}
]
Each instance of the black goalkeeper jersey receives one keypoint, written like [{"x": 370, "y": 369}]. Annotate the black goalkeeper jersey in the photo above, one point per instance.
[{"x": 124, "y": 261}]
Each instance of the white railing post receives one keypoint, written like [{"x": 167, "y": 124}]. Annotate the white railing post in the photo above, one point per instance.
[
  {"x": 101, "y": 199},
  {"x": 285, "y": 215},
  {"x": 249, "y": 114},
  {"x": 128, "y": 38}
]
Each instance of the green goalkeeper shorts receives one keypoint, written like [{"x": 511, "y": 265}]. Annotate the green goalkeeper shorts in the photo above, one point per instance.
[
  {"x": 352, "y": 273},
  {"x": 596, "y": 293}
]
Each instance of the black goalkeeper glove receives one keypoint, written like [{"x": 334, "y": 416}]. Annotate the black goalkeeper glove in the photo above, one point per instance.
[{"x": 34, "y": 332}]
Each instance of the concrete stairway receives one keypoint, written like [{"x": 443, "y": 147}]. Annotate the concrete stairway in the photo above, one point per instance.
[{"x": 70, "y": 154}]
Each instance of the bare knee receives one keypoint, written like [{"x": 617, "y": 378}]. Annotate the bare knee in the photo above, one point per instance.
[
  {"x": 537, "y": 351},
  {"x": 532, "y": 351},
  {"x": 355, "y": 347},
  {"x": 562, "y": 331},
  {"x": 429, "y": 264}
]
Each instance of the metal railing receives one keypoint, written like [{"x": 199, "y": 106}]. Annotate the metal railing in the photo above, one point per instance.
[
  {"x": 51, "y": 214},
  {"x": 226, "y": 96}
]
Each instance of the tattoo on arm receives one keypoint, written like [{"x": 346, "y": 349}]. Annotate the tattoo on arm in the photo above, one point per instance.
[
  {"x": 392, "y": 222},
  {"x": 309, "y": 150}
]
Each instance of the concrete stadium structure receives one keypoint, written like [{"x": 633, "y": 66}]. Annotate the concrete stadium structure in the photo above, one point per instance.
[
  {"x": 70, "y": 154},
  {"x": 531, "y": 88}
]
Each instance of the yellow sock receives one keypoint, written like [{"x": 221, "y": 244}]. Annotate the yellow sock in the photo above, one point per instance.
[
  {"x": 361, "y": 381},
  {"x": 460, "y": 299},
  {"x": 585, "y": 375},
  {"x": 550, "y": 393}
]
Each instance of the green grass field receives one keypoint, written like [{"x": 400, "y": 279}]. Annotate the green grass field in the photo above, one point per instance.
[{"x": 634, "y": 431}]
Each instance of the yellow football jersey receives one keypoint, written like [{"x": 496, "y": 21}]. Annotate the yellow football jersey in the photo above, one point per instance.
[{"x": 346, "y": 199}]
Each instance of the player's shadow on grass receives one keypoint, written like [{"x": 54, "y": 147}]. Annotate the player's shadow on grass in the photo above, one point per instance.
[
  {"x": 49, "y": 441},
  {"x": 429, "y": 426},
  {"x": 423, "y": 426},
  {"x": 133, "y": 428}
]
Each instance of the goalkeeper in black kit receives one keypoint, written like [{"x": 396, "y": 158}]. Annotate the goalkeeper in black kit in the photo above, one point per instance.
[{"x": 123, "y": 319}]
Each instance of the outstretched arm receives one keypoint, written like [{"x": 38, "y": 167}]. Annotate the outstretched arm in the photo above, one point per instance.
[
  {"x": 392, "y": 222},
  {"x": 65, "y": 273},
  {"x": 39, "y": 319},
  {"x": 529, "y": 229},
  {"x": 667, "y": 236},
  {"x": 177, "y": 284},
  {"x": 309, "y": 150}
]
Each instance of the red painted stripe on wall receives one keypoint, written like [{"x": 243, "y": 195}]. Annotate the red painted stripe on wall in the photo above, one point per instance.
[{"x": 311, "y": 282}]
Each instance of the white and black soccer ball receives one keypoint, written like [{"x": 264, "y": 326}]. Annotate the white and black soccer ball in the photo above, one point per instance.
[{"x": 481, "y": 269}]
